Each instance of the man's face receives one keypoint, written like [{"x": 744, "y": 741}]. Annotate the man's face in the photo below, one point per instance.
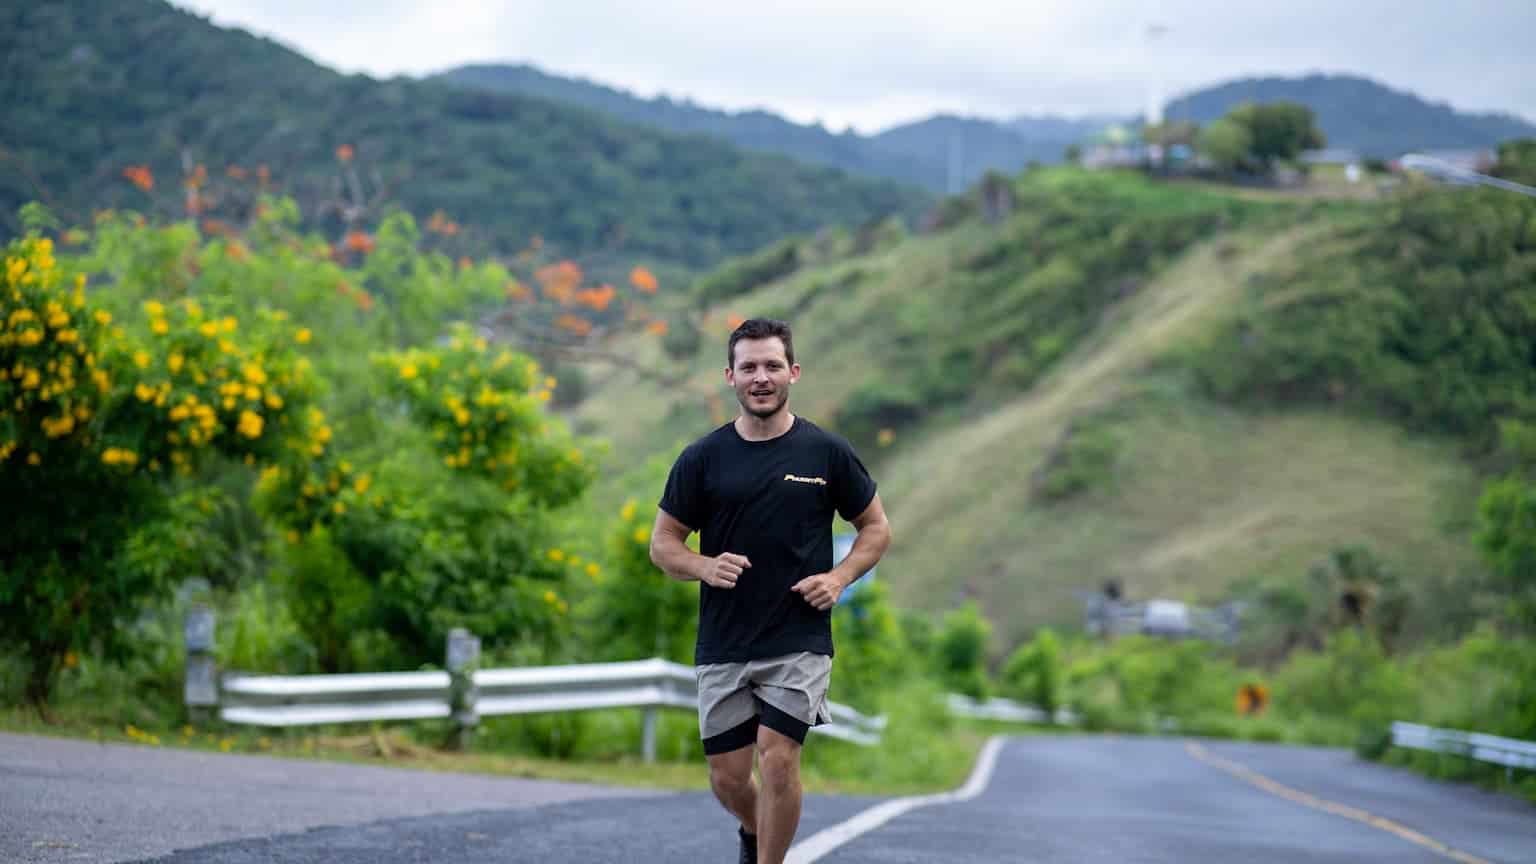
[{"x": 761, "y": 376}]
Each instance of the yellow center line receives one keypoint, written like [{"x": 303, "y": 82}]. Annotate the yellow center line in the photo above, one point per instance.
[{"x": 1254, "y": 778}]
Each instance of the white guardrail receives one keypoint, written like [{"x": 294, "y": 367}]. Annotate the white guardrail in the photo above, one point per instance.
[
  {"x": 300, "y": 700},
  {"x": 650, "y": 685},
  {"x": 1509, "y": 752}
]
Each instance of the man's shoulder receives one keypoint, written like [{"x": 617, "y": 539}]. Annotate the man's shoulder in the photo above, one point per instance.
[
  {"x": 706, "y": 442},
  {"x": 814, "y": 434}
]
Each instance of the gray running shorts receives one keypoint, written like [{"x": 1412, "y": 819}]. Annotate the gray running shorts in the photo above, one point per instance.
[{"x": 788, "y": 694}]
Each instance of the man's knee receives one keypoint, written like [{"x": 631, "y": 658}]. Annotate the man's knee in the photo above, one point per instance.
[
  {"x": 730, "y": 778},
  {"x": 778, "y": 759}
]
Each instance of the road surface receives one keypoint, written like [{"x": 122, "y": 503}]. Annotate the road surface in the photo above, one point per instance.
[{"x": 1050, "y": 798}]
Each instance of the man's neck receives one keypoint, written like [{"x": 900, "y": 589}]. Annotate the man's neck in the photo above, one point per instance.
[{"x": 764, "y": 428}]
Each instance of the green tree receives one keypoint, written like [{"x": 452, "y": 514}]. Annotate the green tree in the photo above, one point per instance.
[
  {"x": 1507, "y": 537},
  {"x": 1517, "y": 161},
  {"x": 1034, "y": 673},
  {"x": 1228, "y": 144},
  {"x": 1280, "y": 131},
  {"x": 960, "y": 651}
]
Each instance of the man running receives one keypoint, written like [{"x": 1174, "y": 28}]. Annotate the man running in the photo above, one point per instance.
[{"x": 761, "y": 492}]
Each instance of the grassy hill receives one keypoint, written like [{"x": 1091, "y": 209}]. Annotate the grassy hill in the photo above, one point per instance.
[
  {"x": 1037, "y": 396},
  {"x": 94, "y": 87}
]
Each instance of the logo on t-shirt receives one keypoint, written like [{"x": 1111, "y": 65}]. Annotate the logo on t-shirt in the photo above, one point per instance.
[{"x": 795, "y": 478}]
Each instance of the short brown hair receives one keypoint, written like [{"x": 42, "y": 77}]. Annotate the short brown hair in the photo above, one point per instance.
[{"x": 760, "y": 328}]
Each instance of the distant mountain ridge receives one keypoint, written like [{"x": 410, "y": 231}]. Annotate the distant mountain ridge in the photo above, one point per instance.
[
  {"x": 937, "y": 153},
  {"x": 947, "y": 151},
  {"x": 1360, "y": 114}
]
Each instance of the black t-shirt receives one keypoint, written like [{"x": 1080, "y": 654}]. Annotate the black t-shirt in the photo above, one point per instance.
[{"x": 771, "y": 501}]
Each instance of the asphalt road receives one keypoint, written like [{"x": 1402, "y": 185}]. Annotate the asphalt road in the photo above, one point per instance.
[{"x": 1080, "y": 799}]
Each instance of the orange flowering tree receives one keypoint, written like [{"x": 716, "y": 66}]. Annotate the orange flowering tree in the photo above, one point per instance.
[{"x": 99, "y": 419}]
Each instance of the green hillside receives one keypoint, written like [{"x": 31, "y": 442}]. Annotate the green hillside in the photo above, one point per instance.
[
  {"x": 1051, "y": 401},
  {"x": 94, "y": 87}
]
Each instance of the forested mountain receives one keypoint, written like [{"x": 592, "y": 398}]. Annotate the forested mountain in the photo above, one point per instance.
[
  {"x": 754, "y": 130},
  {"x": 96, "y": 87},
  {"x": 1359, "y": 114}
]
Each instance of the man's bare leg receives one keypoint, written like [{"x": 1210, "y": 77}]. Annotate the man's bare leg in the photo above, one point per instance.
[
  {"x": 730, "y": 776},
  {"x": 778, "y": 815}
]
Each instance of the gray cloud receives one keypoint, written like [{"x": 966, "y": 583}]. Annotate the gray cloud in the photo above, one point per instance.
[{"x": 871, "y": 64}]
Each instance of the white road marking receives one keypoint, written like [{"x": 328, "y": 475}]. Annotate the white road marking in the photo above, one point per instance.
[{"x": 815, "y": 846}]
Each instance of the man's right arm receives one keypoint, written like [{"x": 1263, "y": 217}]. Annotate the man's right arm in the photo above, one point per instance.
[{"x": 670, "y": 552}]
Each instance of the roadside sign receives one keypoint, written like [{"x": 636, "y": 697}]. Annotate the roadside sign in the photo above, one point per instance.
[{"x": 842, "y": 544}]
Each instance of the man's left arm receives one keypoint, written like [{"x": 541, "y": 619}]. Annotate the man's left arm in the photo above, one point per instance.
[{"x": 874, "y": 537}]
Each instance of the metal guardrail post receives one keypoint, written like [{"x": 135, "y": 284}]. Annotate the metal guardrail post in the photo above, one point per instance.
[
  {"x": 201, "y": 690},
  {"x": 648, "y": 735},
  {"x": 463, "y": 657}
]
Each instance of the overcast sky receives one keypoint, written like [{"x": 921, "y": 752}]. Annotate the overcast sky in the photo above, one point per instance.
[{"x": 869, "y": 64}]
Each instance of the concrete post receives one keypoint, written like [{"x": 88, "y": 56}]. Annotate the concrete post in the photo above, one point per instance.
[
  {"x": 201, "y": 691},
  {"x": 463, "y": 659}
]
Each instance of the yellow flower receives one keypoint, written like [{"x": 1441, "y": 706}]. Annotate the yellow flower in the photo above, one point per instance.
[
  {"x": 66, "y": 336},
  {"x": 593, "y": 570},
  {"x": 154, "y": 308},
  {"x": 226, "y": 346},
  {"x": 209, "y": 329},
  {"x": 174, "y": 362},
  {"x": 549, "y": 596},
  {"x": 159, "y": 326},
  {"x": 250, "y": 424},
  {"x": 103, "y": 317},
  {"x": 254, "y": 374},
  {"x": 34, "y": 459},
  {"x": 143, "y": 391},
  {"x": 408, "y": 371},
  {"x": 180, "y": 413},
  {"x": 193, "y": 310},
  {"x": 642, "y": 535},
  {"x": 119, "y": 456},
  {"x": 141, "y": 359},
  {"x": 549, "y": 382},
  {"x": 30, "y": 380},
  {"x": 628, "y": 512},
  {"x": 230, "y": 324},
  {"x": 58, "y": 427},
  {"x": 339, "y": 507},
  {"x": 302, "y": 337},
  {"x": 461, "y": 417},
  {"x": 28, "y": 338},
  {"x": 556, "y": 555},
  {"x": 252, "y": 394},
  {"x": 362, "y": 483}
]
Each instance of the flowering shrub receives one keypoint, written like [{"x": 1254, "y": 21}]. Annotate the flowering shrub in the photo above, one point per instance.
[
  {"x": 635, "y": 610},
  {"x": 95, "y": 417}
]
